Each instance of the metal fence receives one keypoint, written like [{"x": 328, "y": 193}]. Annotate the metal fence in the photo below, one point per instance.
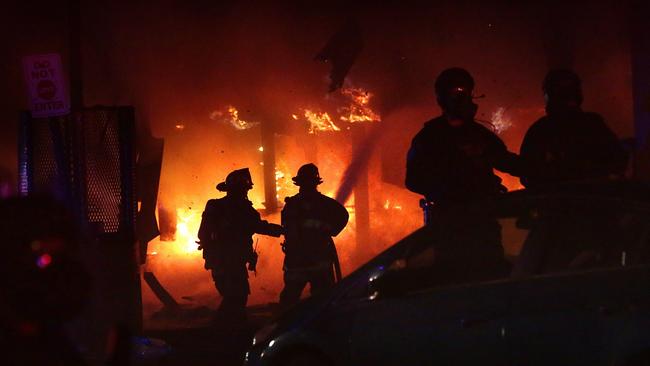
[{"x": 86, "y": 159}]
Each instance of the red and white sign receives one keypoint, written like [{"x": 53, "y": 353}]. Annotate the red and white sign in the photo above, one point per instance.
[{"x": 46, "y": 85}]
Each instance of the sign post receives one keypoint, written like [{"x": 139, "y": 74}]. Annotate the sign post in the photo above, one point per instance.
[{"x": 46, "y": 85}]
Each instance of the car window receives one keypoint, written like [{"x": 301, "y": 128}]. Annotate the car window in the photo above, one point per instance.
[
  {"x": 576, "y": 235},
  {"x": 521, "y": 238},
  {"x": 462, "y": 246},
  {"x": 634, "y": 233}
]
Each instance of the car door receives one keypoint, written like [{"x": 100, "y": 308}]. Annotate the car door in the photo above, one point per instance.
[
  {"x": 554, "y": 320},
  {"x": 625, "y": 316},
  {"x": 434, "y": 326},
  {"x": 437, "y": 305},
  {"x": 568, "y": 284}
]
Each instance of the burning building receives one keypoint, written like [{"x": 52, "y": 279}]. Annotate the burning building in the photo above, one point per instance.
[
  {"x": 328, "y": 137},
  {"x": 231, "y": 85}
]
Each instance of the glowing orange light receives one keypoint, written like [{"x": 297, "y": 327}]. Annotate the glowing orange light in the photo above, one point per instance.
[
  {"x": 231, "y": 116},
  {"x": 283, "y": 185},
  {"x": 320, "y": 122},
  {"x": 359, "y": 109},
  {"x": 187, "y": 228},
  {"x": 389, "y": 205}
]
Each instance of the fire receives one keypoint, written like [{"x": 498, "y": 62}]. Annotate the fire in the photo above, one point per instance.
[
  {"x": 178, "y": 264},
  {"x": 284, "y": 187},
  {"x": 388, "y": 205},
  {"x": 232, "y": 117},
  {"x": 360, "y": 96},
  {"x": 320, "y": 122},
  {"x": 278, "y": 176},
  {"x": 359, "y": 110},
  {"x": 187, "y": 229}
]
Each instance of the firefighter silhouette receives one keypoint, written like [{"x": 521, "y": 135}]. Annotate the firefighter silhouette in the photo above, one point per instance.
[
  {"x": 225, "y": 235},
  {"x": 452, "y": 158},
  {"x": 569, "y": 144},
  {"x": 310, "y": 220}
]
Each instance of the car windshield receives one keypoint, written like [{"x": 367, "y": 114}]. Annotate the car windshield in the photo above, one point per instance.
[{"x": 519, "y": 238}]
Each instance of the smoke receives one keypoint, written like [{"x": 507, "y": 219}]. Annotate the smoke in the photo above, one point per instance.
[
  {"x": 192, "y": 59},
  {"x": 359, "y": 163}
]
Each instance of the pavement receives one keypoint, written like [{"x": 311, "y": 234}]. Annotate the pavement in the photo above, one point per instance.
[{"x": 193, "y": 339}]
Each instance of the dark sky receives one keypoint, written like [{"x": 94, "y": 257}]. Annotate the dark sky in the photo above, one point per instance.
[{"x": 179, "y": 60}]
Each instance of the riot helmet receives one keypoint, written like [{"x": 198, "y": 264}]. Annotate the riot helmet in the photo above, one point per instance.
[
  {"x": 454, "y": 87},
  {"x": 562, "y": 88}
]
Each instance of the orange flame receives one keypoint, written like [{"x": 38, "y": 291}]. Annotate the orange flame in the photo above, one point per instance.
[
  {"x": 359, "y": 110},
  {"x": 232, "y": 117},
  {"x": 320, "y": 122},
  {"x": 284, "y": 187},
  {"x": 179, "y": 265},
  {"x": 388, "y": 205},
  {"x": 187, "y": 228}
]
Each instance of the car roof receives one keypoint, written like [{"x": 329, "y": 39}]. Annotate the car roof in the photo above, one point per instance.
[
  {"x": 622, "y": 190},
  {"x": 628, "y": 190}
]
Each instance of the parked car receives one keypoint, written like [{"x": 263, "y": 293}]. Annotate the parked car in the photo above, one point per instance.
[{"x": 531, "y": 278}]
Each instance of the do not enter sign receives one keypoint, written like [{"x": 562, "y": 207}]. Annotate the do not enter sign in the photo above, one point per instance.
[{"x": 46, "y": 85}]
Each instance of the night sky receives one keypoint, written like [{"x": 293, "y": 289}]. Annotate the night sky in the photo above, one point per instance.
[{"x": 177, "y": 61}]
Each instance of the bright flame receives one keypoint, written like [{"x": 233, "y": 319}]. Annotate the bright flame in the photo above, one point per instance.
[
  {"x": 359, "y": 109},
  {"x": 500, "y": 121},
  {"x": 180, "y": 127},
  {"x": 187, "y": 228},
  {"x": 179, "y": 265},
  {"x": 388, "y": 205},
  {"x": 232, "y": 117},
  {"x": 320, "y": 122},
  {"x": 284, "y": 187}
]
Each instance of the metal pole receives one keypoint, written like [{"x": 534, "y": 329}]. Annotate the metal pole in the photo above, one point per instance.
[
  {"x": 76, "y": 70},
  {"x": 361, "y": 192},
  {"x": 640, "y": 57},
  {"x": 270, "y": 187},
  {"x": 559, "y": 37}
]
